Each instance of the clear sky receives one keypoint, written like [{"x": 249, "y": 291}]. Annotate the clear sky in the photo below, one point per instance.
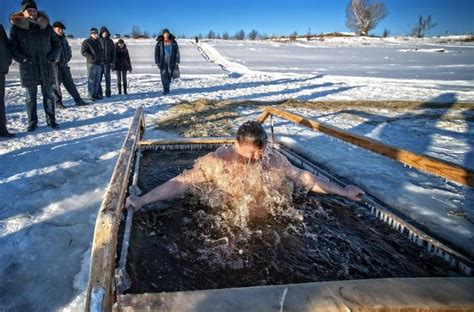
[{"x": 186, "y": 17}]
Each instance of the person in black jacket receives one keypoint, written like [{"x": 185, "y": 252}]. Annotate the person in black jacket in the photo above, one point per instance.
[
  {"x": 91, "y": 50},
  {"x": 122, "y": 65},
  {"x": 63, "y": 72},
  {"x": 108, "y": 50},
  {"x": 166, "y": 58},
  {"x": 36, "y": 48},
  {"x": 5, "y": 61}
]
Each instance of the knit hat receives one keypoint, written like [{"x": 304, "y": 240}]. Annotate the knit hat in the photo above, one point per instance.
[
  {"x": 166, "y": 31},
  {"x": 59, "y": 24},
  {"x": 120, "y": 41},
  {"x": 28, "y": 4},
  {"x": 94, "y": 30}
]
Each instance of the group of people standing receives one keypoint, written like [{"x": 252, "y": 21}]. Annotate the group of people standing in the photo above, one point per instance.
[{"x": 43, "y": 53}]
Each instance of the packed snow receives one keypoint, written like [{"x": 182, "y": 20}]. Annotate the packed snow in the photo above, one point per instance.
[{"x": 52, "y": 182}]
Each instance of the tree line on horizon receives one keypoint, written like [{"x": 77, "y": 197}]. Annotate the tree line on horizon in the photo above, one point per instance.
[{"x": 362, "y": 16}]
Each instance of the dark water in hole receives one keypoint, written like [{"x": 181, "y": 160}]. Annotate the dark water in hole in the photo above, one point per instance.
[{"x": 178, "y": 244}]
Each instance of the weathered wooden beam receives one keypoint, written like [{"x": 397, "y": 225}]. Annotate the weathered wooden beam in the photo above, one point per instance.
[
  {"x": 442, "y": 168},
  {"x": 101, "y": 273},
  {"x": 203, "y": 140},
  {"x": 389, "y": 294}
]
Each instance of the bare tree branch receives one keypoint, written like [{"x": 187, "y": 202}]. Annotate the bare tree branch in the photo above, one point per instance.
[{"x": 363, "y": 16}]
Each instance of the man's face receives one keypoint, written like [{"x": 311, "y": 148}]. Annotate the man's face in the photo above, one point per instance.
[
  {"x": 166, "y": 35},
  {"x": 59, "y": 31},
  {"x": 249, "y": 151},
  {"x": 30, "y": 13},
  {"x": 94, "y": 36},
  {"x": 105, "y": 34}
]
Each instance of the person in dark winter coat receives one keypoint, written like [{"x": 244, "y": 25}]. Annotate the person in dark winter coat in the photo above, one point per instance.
[
  {"x": 122, "y": 65},
  {"x": 36, "y": 48},
  {"x": 166, "y": 58},
  {"x": 108, "y": 50},
  {"x": 63, "y": 72},
  {"x": 91, "y": 50},
  {"x": 5, "y": 61}
]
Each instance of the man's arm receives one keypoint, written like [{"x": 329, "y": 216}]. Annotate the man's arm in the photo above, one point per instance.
[
  {"x": 176, "y": 185},
  {"x": 167, "y": 190},
  {"x": 85, "y": 49},
  {"x": 14, "y": 47},
  {"x": 318, "y": 184},
  {"x": 55, "y": 53}
]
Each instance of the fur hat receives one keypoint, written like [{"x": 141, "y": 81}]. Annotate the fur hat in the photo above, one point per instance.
[
  {"x": 28, "y": 4},
  {"x": 59, "y": 25}
]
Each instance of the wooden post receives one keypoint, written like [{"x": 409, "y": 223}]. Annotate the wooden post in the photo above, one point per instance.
[
  {"x": 101, "y": 273},
  {"x": 425, "y": 163}
]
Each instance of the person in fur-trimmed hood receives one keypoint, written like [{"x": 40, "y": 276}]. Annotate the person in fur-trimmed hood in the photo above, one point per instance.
[
  {"x": 36, "y": 48},
  {"x": 166, "y": 58}
]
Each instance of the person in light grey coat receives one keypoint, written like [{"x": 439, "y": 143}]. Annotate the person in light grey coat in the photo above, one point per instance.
[{"x": 5, "y": 61}]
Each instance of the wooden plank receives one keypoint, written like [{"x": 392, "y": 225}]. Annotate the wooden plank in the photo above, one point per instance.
[
  {"x": 442, "y": 168},
  {"x": 101, "y": 273},
  {"x": 200, "y": 140},
  {"x": 389, "y": 294}
]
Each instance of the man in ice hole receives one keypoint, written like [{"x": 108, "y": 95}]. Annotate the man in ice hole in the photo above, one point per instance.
[{"x": 246, "y": 171}]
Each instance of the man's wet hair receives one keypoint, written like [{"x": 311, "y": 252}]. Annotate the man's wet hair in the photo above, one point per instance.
[{"x": 252, "y": 132}]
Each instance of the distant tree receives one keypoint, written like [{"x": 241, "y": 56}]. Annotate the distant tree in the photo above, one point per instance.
[
  {"x": 70, "y": 36},
  {"x": 386, "y": 33},
  {"x": 225, "y": 35},
  {"x": 136, "y": 32},
  {"x": 363, "y": 16},
  {"x": 423, "y": 25},
  {"x": 263, "y": 36},
  {"x": 116, "y": 35},
  {"x": 155, "y": 35},
  {"x": 293, "y": 36},
  {"x": 145, "y": 35},
  {"x": 211, "y": 35},
  {"x": 126, "y": 36},
  {"x": 200, "y": 36},
  {"x": 252, "y": 35},
  {"x": 218, "y": 36},
  {"x": 240, "y": 35}
]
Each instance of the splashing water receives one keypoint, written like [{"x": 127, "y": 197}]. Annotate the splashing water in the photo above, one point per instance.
[{"x": 239, "y": 191}]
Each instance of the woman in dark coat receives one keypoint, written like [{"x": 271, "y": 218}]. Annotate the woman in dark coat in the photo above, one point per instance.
[
  {"x": 166, "y": 58},
  {"x": 122, "y": 65}
]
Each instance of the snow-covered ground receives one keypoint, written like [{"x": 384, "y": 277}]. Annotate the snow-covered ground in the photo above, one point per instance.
[{"x": 52, "y": 182}]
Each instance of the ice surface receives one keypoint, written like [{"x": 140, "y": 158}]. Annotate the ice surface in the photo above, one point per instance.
[{"x": 52, "y": 182}]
